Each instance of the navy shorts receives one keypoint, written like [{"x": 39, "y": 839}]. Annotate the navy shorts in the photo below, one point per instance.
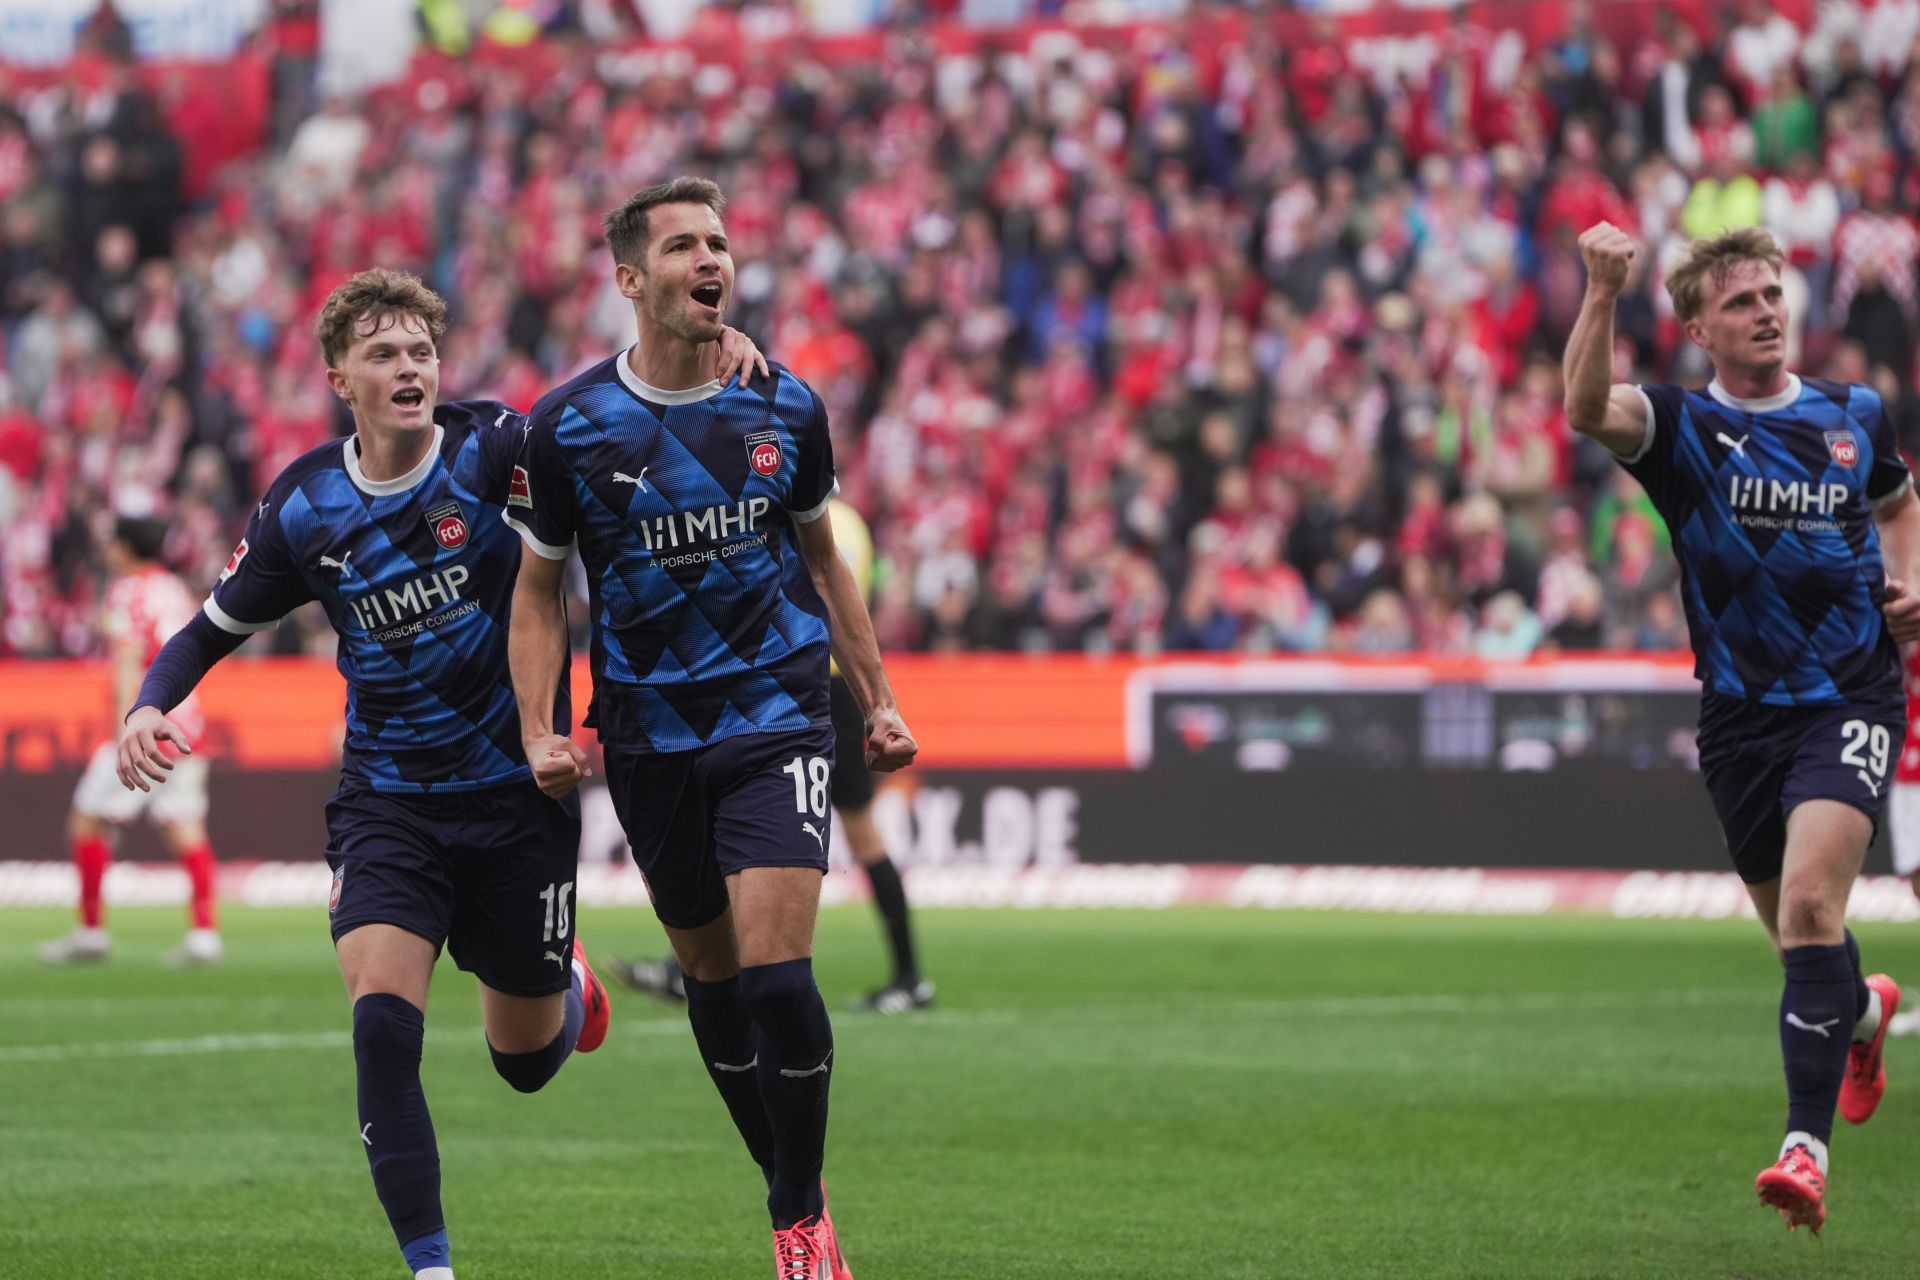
[
  {"x": 490, "y": 873},
  {"x": 852, "y": 780},
  {"x": 696, "y": 817},
  {"x": 1761, "y": 762}
]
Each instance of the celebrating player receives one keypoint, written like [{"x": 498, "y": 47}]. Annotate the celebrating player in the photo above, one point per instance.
[
  {"x": 851, "y": 795},
  {"x": 145, "y": 604},
  {"x": 1780, "y": 493},
  {"x": 437, "y": 833},
  {"x": 716, "y": 590}
]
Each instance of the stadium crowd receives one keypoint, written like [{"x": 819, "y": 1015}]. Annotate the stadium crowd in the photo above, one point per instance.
[{"x": 1186, "y": 347}]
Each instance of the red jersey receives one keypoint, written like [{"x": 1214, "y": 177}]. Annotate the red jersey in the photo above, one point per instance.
[{"x": 147, "y": 607}]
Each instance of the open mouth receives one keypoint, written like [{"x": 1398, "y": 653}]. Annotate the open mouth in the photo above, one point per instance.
[
  {"x": 410, "y": 397},
  {"x": 708, "y": 295},
  {"x": 1767, "y": 335}
]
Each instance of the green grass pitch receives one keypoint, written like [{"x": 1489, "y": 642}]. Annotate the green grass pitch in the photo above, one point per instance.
[{"x": 1197, "y": 1093}]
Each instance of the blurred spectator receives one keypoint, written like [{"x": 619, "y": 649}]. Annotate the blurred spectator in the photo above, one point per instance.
[{"x": 1251, "y": 345}]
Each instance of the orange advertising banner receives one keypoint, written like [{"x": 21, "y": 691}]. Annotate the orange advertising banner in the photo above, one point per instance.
[{"x": 968, "y": 710}]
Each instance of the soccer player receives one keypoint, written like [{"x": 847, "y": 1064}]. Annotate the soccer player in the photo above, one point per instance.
[
  {"x": 851, "y": 795},
  {"x": 716, "y": 590},
  {"x": 144, "y": 605},
  {"x": 1780, "y": 493},
  {"x": 438, "y": 834}
]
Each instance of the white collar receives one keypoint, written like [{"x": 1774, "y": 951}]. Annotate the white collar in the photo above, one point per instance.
[
  {"x": 692, "y": 395},
  {"x": 1768, "y": 404},
  {"x": 399, "y": 484}
]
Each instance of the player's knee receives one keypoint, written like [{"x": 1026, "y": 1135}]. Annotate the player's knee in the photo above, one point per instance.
[
  {"x": 386, "y": 1026},
  {"x": 1810, "y": 918},
  {"x": 528, "y": 1072}
]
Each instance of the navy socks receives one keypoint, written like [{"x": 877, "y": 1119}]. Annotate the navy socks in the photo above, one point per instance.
[
  {"x": 729, "y": 1046},
  {"x": 1817, "y": 1011},
  {"x": 796, "y": 1066},
  {"x": 395, "y": 1126}
]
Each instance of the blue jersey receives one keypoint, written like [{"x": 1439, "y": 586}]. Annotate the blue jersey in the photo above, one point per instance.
[
  {"x": 685, "y": 504},
  {"x": 416, "y": 575},
  {"x": 1770, "y": 503}
]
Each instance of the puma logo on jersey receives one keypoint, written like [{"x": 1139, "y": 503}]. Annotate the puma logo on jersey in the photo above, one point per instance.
[
  {"x": 328, "y": 562},
  {"x": 621, "y": 477},
  {"x": 1818, "y": 1028},
  {"x": 1738, "y": 446}
]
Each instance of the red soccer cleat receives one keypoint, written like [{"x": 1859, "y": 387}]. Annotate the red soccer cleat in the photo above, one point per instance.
[
  {"x": 804, "y": 1251},
  {"x": 1866, "y": 1079},
  {"x": 593, "y": 1031},
  {"x": 836, "y": 1260},
  {"x": 1795, "y": 1186}
]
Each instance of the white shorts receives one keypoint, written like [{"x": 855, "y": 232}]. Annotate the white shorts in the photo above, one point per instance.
[
  {"x": 1903, "y": 822},
  {"x": 181, "y": 798}
]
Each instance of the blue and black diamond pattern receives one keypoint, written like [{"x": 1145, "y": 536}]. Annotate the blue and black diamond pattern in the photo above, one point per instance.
[
  {"x": 1772, "y": 519},
  {"x": 706, "y": 624}
]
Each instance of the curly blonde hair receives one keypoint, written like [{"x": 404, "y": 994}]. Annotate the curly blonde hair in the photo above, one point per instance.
[{"x": 372, "y": 301}]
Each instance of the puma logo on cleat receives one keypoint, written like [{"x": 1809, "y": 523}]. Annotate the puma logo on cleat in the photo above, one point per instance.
[
  {"x": 363, "y": 1133},
  {"x": 621, "y": 477},
  {"x": 810, "y": 1071},
  {"x": 745, "y": 1066},
  {"x": 328, "y": 562},
  {"x": 814, "y": 831},
  {"x": 1793, "y": 1020},
  {"x": 1872, "y": 785},
  {"x": 1738, "y": 446}
]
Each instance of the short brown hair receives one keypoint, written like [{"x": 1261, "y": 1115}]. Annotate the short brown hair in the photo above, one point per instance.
[
  {"x": 1711, "y": 258},
  {"x": 627, "y": 227},
  {"x": 364, "y": 305}
]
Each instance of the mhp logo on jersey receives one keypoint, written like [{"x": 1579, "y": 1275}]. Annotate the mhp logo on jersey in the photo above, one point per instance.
[
  {"x": 763, "y": 451},
  {"x": 449, "y": 525},
  {"x": 1843, "y": 447},
  {"x": 519, "y": 489},
  {"x": 233, "y": 561}
]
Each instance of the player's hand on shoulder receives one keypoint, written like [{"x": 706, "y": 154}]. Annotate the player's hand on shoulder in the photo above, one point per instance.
[
  {"x": 889, "y": 745},
  {"x": 138, "y": 755},
  {"x": 738, "y": 354},
  {"x": 1608, "y": 252},
  {"x": 559, "y": 765},
  {"x": 1901, "y": 610}
]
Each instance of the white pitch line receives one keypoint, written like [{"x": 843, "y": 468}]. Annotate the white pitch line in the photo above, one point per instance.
[{"x": 1485, "y": 1003}]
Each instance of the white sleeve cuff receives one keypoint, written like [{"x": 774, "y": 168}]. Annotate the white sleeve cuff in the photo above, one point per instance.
[
  {"x": 231, "y": 625},
  {"x": 1646, "y": 441},
  {"x": 546, "y": 549},
  {"x": 814, "y": 513},
  {"x": 1900, "y": 491}
]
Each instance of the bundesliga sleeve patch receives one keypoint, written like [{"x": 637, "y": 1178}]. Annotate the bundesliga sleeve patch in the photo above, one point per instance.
[
  {"x": 233, "y": 561},
  {"x": 763, "y": 451},
  {"x": 519, "y": 491},
  {"x": 449, "y": 525}
]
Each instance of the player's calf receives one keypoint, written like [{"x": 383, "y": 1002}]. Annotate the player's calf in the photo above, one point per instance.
[
  {"x": 583, "y": 1025},
  {"x": 795, "y": 1070},
  {"x": 396, "y": 1129}
]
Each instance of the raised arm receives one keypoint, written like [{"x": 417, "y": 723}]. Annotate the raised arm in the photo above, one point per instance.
[
  {"x": 889, "y": 746},
  {"x": 537, "y": 653},
  {"x": 180, "y": 665},
  {"x": 1615, "y": 415}
]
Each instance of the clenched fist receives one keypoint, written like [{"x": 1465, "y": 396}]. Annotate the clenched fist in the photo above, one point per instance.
[{"x": 1608, "y": 252}]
